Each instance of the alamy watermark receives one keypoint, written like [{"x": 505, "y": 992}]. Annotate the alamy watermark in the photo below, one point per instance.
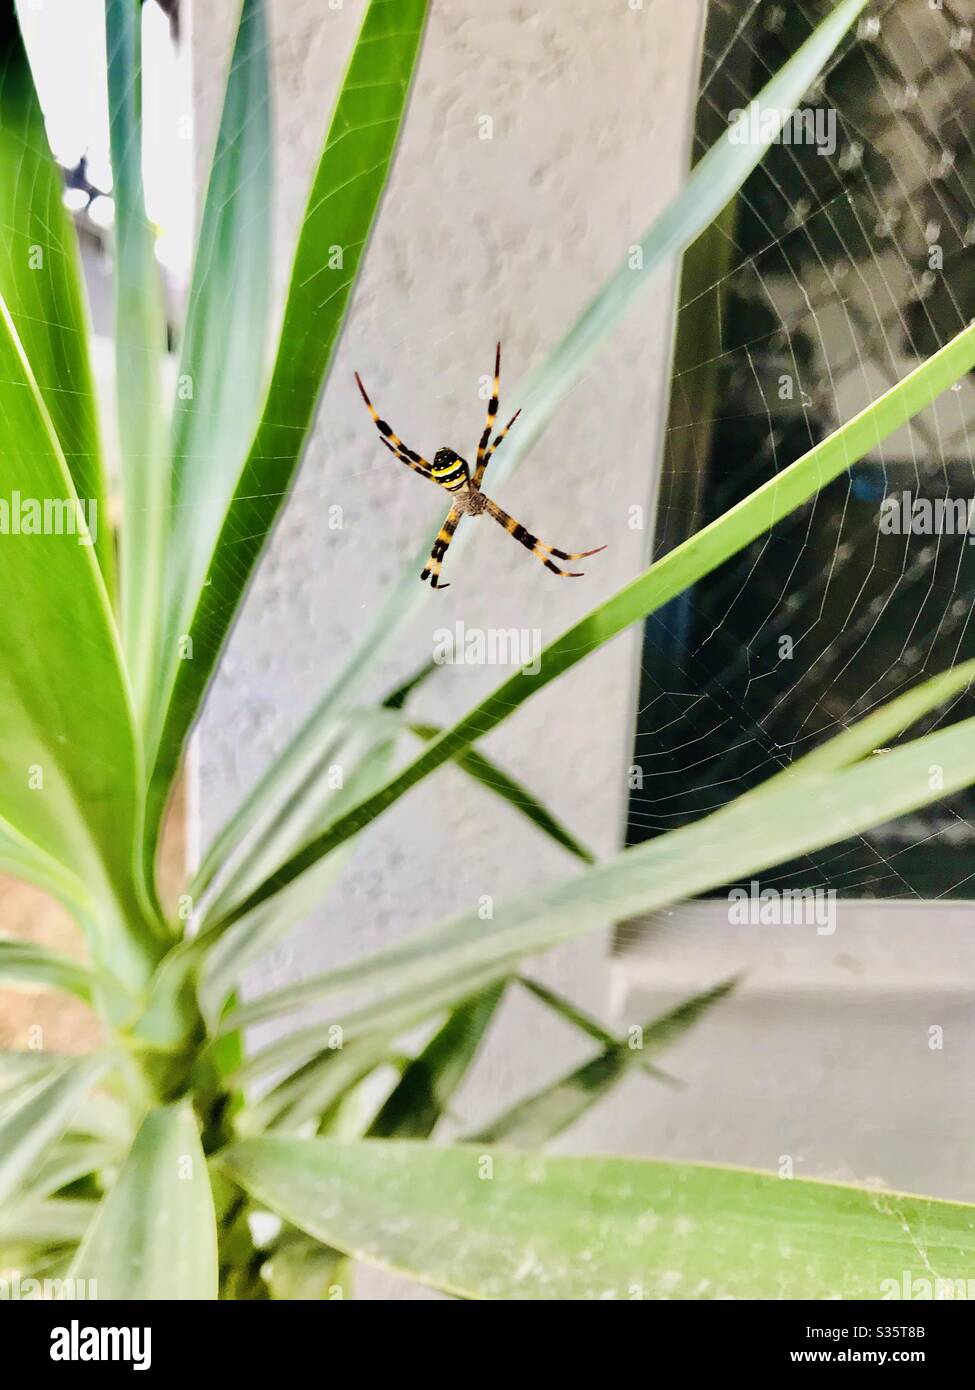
[
  {"x": 17, "y": 1288},
  {"x": 761, "y": 125},
  {"x": 903, "y": 514},
  {"x": 78, "y": 1342},
  {"x": 49, "y": 516},
  {"x": 923, "y": 1288},
  {"x": 490, "y": 646},
  {"x": 789, "y": 907}
]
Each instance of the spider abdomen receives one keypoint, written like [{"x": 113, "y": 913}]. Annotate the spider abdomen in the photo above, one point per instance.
[{"x": 450, "y": 470}]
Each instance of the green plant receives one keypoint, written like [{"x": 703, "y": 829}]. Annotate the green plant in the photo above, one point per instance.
[{"x": 96, "y": 718}]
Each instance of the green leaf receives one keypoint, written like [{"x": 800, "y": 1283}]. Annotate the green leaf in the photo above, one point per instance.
[
  {"x": 221, "y": 374},
  {"x": 426, "y": 1087},
  {"x": 301, "y": 1270},
  {"x": 22, "y": 962},
  {"x": 283, "y": 813},
  {"x": 154, "y": 1236},
  {"x": 40, "y": 1223},
  {"x": 106, "y": 1118},
  {"x": 568, "y": 1011},
  {"x": 40, "y": 281},
  {"x": 69, "y": 763},
  {"x": 140, "y": 342},
  {"x": 363, "y": 749},
  {"x": 25, "y": 861},
  {"x": 540, "y": 1117},
  {"x": 253, "y": 937},
  {"x": 495, "y": 779},
  {"x": 748, "y": 835},
  {"x": 341, "y": 209},
  {"x": 72, "y": 1157},
  {"x": 539, "y": 1226},
  {"x": 397, "y": 699},
  {"x": 375, "y": 1021},
  {"x": 315, "y": 1086},
  {"x": 34, "y": 1116},
  {"x": 714, "y": 181},
  {"x": 20, "y": 1068}
]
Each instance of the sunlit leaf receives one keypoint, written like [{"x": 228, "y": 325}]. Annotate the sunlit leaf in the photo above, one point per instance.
[
  {"x": 40, "y": 280},
  {"x": 69, "y": 762}
]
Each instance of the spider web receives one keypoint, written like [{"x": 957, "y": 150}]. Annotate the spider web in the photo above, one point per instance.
[{"x": 828, "y": 298}]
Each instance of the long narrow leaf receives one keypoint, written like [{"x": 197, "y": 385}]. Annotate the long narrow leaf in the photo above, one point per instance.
[
  {"x": 69, "y": 763},
  {"x": 494, "y": 779},
  {"x": 417, "y": 1102},
  {"x": 742, "y": 838},
  {"x": 540, "y": 1117},
  {"x": 140, "y": 341},
  {"x": 363, "y": 755},
  {"x": 314, "y": 1088},
  {"x": 72, "y": 1158},
  {"x": 386, "y": 1021},
  {"x": 154, "y": 1236},
  {"x": 20, "y": 1068},
  {"x": 21, "y": 859},
  {"x": 36, "y": 1116},
  {"x": 355, "y": 762},
  {"x": 360, "y": 742},
  {"x": 42, "y": 1223},
  {"x": 340, "y": 213},
  {"x": 24, "y": 963},
  {"x": 683, "y": 566},
  {"x": 483, "y": 1223},
  {"x": 568, "y": 1011},
  {"x": 40, "y": 280},
  {"x": 221, "y": 373}
]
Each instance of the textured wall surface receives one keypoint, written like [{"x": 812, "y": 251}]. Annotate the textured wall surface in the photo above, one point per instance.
[{"x": 477, "y": 239}]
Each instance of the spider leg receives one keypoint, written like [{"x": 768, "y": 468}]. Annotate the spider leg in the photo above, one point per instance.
[
  {"x": 479, "y": 471},
  {"x": 444, "y": 537},
  {"x": 483, "y": 452},
  {"x": 539, "y": 549},
  {"x": 393, "y": 442},
  {"x": 492, "y": 415}
]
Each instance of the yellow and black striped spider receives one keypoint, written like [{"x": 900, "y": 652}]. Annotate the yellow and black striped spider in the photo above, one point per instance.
[{"x": 451, "y": 472}]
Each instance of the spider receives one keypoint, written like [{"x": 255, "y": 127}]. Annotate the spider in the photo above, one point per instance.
[{"x": 452, "y": 473}]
